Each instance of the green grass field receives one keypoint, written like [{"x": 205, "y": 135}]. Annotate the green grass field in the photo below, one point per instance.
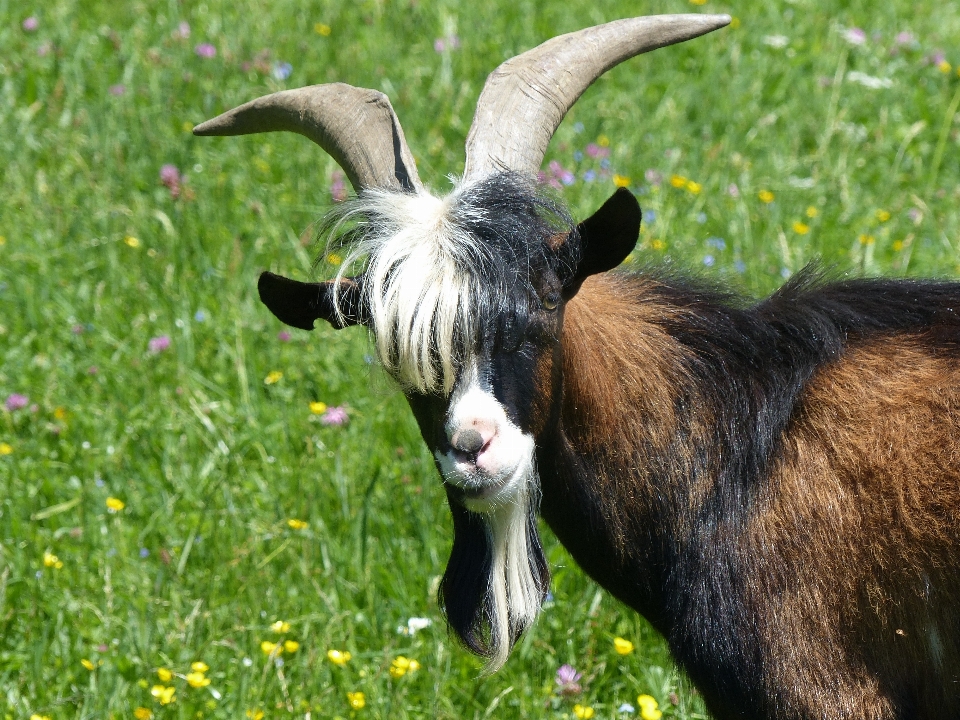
[{"x": 139, "y": 371}]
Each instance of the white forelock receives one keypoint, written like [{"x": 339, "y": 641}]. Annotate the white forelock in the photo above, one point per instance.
[{"x": 418, "y": 284}]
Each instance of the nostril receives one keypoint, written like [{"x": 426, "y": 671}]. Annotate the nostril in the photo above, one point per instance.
[{"x": 468, "y": 441}]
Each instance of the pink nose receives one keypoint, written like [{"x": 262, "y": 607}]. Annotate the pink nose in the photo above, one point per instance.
[{"x": 471, "y": 437}]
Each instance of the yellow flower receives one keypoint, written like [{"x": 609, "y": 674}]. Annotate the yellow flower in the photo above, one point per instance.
[
  {"x": 658, "y": 245},
  {"x": 291, "y": 646},
  {"x": 898, "y": 245},
  {"x": 734, "y": 23},
  {"x": 187, "y": 126},
  {"x": 270, "y": 648},
  {"x": 199, "y": 666},
  {"x": 585, "y": 711},
  {"x": 648, "y": 708},
  {"x": 401, "y": 666},
  {"x": 272, "y": 377},
  {"x": 694, "y": 187},
  {"x": 51, "y": 560},
  {"x": 678, "y": 181},
  {"x": 280, "y": 626},
  {"x": 115, "y": 504},
  {"x": 621, "y": 180},
  {"x": 800, "y": 228},
  {"x": 296, "y": 525},
  {"x": 866, "y": 239},
  {"x": 603, "y": 141},
  {"x": 357, "y": 700},
  {"x": 165, "y": 695},
  {"x": 132, "y": 241},
  {"x": 39, "y": 717},
  {"x": 321, "y": 29},
  {"x": 883, "y": 215},
  {"x": 338, "y": 657},
  {"x": 944, "y": 67},
  {"x": 334, "y": 259},
  {"x": 812, "y": 212},
  {"x": 262, "y": 165},
  {"x": 5, "y": 448},
  {"x": 318, "y": 408},
  {"x": 698, "y": 2},
  {"x": 3, "y": 240},
  {"x": 87, "y": 664},
  {"x": 60, "y": 413},
  {"x": 765, "y": 196},
  {"x": 623, "y": 647},
  {"x": 164, "y": 674},
  {"x": 142, "y": 713},
  {"x": 255, "y": 714},
  {"x": 197, "y": 680}
]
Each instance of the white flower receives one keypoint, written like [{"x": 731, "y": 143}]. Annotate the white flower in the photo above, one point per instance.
[
  {"x": 776, "y": 41},
  {"x": 414, "y": 625},
  {"x": 626, "y": 708},
  {"x": 869, "y": 81}
]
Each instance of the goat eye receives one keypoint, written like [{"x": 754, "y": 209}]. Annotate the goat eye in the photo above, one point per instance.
[{"x": 551, "y": 301}]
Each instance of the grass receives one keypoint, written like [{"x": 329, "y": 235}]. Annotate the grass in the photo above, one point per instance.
[{"x": 98, "y": 257}]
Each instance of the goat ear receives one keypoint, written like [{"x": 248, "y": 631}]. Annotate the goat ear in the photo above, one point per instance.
[
  {"x": 606, "y": 237},
  {"x": 299, "y": 304}
]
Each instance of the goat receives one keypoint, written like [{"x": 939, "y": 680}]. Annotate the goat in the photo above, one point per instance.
[{"x": 775, "y": 486}]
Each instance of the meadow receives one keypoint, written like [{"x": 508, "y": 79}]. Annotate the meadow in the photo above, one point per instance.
[{"x": 204, "y": 514}]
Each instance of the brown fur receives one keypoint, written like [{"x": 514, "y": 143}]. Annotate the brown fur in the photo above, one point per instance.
[{"x": 851, "y": 543}]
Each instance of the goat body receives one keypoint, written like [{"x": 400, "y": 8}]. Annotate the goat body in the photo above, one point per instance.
[{"x": 777, "y": 488}]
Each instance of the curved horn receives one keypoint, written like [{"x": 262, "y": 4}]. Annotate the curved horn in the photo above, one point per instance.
[
  {"x": 524, "y": 100},
  {"x": 356, "y": 126}
]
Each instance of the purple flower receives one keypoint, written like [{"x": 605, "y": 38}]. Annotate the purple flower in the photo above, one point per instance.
[
  {"x": 595, "y": 151},
  {"x": 31, "y": 23},
  {"x": 283, "y": 336},
  {"x": 144, "y": 552},
  {"x": 15, "y": 401},
  {"x": 282, "y": 70},
  {"x": 93, "y": 370},
  {"x": 334, "y": 416},
  {"x": 338, "y": 188},
  {"x": 44, "y": 49},
  {"x": 567, "y": 681},
  {"x": 118, "y": 89},
  {"x": 158, "y": 344},
  {"x": 904, "y": 38},
  {"x": 77, "y": 329},
  {"x": 938, "y": 57},
  {"x": 169, "y": 175},
  {"x": 183, "y": 31},
  {"x": 855, "y": 36},
  {"x": 733, "y": 191},
  {"x": 439, "y": 45},
  {"x": 653, "y": 177},
  {"x": 205, "y": 50},
  {"x": 589, "y": 176}
]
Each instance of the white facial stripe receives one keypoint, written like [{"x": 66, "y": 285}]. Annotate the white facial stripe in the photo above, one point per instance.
[{"x": 506, "y": 470}]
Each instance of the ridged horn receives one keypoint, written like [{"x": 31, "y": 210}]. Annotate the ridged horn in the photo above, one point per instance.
[
  {"x": 524, "y": 100},
  {"x": 356, "y": 126}
]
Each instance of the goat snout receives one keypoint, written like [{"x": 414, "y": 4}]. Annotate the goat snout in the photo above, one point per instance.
[{"x": 467, "y": 441}]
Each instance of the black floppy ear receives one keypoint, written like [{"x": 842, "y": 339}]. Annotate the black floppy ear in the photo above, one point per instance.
[
  {"x": 606, "y": 237},
  {"x": 299, "y": 304}
]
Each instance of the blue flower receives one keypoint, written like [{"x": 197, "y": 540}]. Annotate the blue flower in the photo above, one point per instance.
[
  {"x": 282, "y": 70},
  {"x": 708, "y": 260}
]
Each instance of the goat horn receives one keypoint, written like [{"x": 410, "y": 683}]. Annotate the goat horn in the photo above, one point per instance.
[
  {"x": 356, "y": 126},
  {"x": 524, "y": 100}
]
